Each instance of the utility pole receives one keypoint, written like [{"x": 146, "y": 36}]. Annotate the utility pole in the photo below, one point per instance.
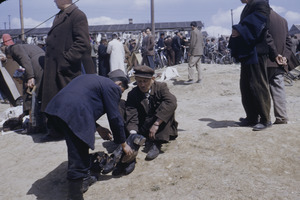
[
  {"x": 5, "y": 25},
  {"x": 21, "y": 20},
  {"x": 231, "y": 17},
  {"x": 152, "y": 18},
  {"x": 9, "y": 22}
]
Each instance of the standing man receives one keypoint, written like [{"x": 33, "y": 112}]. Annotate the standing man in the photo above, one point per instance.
[
  {"x": 67, "y": 47},
  {"x": 150, "y": 110},
  {"x": 117, "y": 54},
  {"x": 73, "y": 112},
  {"x": 103, "y": 58},
  {"x": 249, "y": 46},
  {"x": 280, "y": 49},
  {"x": 176, "y": 45},
  {"x": 148, "y": 49},
  {"x": 195, "y": 53}
]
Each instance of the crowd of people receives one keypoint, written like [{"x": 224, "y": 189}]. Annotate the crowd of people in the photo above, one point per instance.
[{"x": 78, "y": 80}]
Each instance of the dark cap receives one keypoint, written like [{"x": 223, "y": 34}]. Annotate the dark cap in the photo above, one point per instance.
[
  {"x": 119, "y": 75},
  {"x": 143, "y": 71}
]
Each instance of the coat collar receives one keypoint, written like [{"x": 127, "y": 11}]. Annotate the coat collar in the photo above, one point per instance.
[{"x": 62, "y": 15}]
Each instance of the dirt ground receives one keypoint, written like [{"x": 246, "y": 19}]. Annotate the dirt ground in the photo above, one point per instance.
[{"x": 211, "y": 159}]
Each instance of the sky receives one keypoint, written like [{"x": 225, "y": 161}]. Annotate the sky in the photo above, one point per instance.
[{"x": 215, "y": 14}]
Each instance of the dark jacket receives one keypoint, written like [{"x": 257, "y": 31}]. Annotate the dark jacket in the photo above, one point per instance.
[
  {"x": 252, "y": 27},
  {"x": 140, "y": 117},
  {"x": 67, "y": 47},
  {"x": 83, "y": 101}
]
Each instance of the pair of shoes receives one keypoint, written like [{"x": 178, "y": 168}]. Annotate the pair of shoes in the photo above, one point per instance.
[
  {"x": 153, "y": 151},
  {"x": 124, "y": 168},
  {"x": 244, "y": 122},
  {"x": 261, "y": 126},
  {"x": 199, "y": 81},
  {"x": 278, "y": 121},
  {"x": 190, "y": 81},
  {"x": 87, "y": 182}
]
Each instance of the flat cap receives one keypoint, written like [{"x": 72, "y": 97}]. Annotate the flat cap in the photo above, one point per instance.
[
  {"x": 118, "y": 73},
  {"x": 143, "y": 71}
]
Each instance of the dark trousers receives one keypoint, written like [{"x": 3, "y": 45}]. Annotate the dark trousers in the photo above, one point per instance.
[
  {"x": 254, "y": 88},
  {"x": 78, "y": 151},
  {"x": 148, "y": 60}
]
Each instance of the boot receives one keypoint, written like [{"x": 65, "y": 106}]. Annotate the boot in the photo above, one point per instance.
[
  {"x": 112, "y": 160},
  {"x": 134, "y": 141}
]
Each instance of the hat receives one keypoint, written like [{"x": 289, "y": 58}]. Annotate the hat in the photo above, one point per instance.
[
  {"x": 119, "y": 75},
  {"x": 7, "y": 40},
  {"x": 143, "y": 71}
]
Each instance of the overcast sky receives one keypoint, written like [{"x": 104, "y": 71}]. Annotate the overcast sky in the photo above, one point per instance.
[{"x": 215, "y": 14}]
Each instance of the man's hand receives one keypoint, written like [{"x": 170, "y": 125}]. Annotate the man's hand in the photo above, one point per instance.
[
  {"x": 280, "y": 60},
  {"x": 127, "y": 149},
  {"x": 153, "y": 131},
  {"x": 104, "y": 133},
  {"x": 235, "y": 33},
  {"x": 31, "y": 83}
]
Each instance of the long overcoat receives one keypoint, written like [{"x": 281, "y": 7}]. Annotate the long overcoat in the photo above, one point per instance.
[
  {"x": 67, "y": 47},
  {"x": 141, "y": 116}
]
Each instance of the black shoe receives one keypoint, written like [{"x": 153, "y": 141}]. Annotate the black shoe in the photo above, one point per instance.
[
  {"x": 199, "y": 81},
  {"x": 261, "y": 126},
  {"x": 112, "y": 160},
  {"x": 153, "y": 152},
  {"x": 130, "y": 167},
  {"x": 87, "y": 182},
  {"x": 244, "y": 122}
]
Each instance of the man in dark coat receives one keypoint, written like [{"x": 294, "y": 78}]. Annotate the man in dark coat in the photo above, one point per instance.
[
  {"x": 73, "y": 112},
  {"x": 280, "y": 49},
  {"x": 150, "y": 111},
  {"x": 249, "y": 45},
  {"x": 103, "y": 58},
  {"x": 67, "y": 47},
  {"x": 176, "y": 45}
]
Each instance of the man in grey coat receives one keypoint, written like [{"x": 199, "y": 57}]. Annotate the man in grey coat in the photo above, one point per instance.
[
  {"x": 195, "y": 53},
  {"x": 67, "y": 48}
]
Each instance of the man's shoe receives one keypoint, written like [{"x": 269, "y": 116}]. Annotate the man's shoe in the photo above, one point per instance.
[
  {"x": 261, "y": 126},
  {"x": 278, "y": 121},
  {"x": 124, "y": 168},
  {"x": 87, "y": 182},
  {"x": 153, "y": 151},
  {"x": 190, "y": 81},
  {"x": 129, "y": 168},
  {"x": 244, "y": 122},
  {"x": 199, "y": 81},
  {"x": 52, "y": 138}
]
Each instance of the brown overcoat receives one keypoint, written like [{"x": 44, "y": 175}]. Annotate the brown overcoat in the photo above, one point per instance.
[
  {"x": 67, "y": 47},
  {"x": 141, "y": 116}
]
